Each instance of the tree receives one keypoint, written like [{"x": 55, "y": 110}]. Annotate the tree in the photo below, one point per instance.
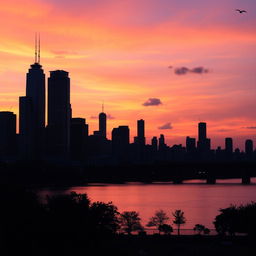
[
  {"x": 237, "y": 219},
  {"x": 207, "y": 231},
  {"x": 130, "y": 221},
  {"x": 179, "y": 219},
  {"x": 159, "y": 219},
  {"x": 166, "y": 229},
  {"x": 104, "y": 217},
  {"x": 199, "y": 228}
]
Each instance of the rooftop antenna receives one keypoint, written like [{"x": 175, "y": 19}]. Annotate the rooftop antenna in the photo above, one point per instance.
[
  {"x": 103, "y": 107},
  {"x": 39, "y": 50},
  {"x": 35, "y": 47}
]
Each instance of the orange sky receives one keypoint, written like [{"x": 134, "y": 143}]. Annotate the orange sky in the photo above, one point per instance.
[{"x": 119, "y": 52}]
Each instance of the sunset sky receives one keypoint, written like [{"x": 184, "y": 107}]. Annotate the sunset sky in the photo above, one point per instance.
[{"x": 171, "y": 62}]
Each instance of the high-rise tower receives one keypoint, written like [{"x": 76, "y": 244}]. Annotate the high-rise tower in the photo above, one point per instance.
[
  {"x": 59, "y": 114},
  {"x": 203, "y": 144},
  {"x": 32, "y": 110},
  {"x": 103, "y": 123}
]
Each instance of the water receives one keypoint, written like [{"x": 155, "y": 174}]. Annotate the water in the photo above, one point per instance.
[{"x": 200, "y": 202}]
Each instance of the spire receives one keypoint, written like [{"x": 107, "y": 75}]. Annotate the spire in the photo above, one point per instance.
[
  {"x": 38, "y": 59},
  {"x": 102, "y": 107},
  {"x": 35, "y": 47}
]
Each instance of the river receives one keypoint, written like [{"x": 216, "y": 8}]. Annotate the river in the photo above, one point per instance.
[{"x": 200, "y": 202}]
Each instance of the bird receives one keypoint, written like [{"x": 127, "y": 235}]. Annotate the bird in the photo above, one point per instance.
[{"x": 240, "y": 11}]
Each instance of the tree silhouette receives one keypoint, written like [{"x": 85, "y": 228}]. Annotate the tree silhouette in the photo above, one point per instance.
[
  {"x": 199, "y": 228},
  {"x": 130, "y": 221},
  {"x": 159, "y": 219},
  {"x": 179, "y": 219},
  {"x": 104, "y": 217},
  {"x": 166, "y": 229}
]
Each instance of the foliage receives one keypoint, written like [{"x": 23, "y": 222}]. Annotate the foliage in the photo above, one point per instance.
[
  {"x": 160, "y": 218},
  {"x": 236, "y": 219},
  {"x": 201, "y": 229},
  {"x": 104, "y": 217},
  {"x": 179, "y": 219},
  {"x": 166, "y": 229},
  {"x": 130, "y": 221}
]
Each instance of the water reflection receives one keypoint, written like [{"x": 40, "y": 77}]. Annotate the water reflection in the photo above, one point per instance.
[{"x": 200, "y": 202}]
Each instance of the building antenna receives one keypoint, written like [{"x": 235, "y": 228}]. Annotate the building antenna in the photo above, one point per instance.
[
  {"x": 39, "y": 50},
  {"x": 35, "y": 47},
  {"x": 102, "y": 107}
]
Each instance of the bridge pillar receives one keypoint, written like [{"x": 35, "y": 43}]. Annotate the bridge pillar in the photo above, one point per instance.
[
  {"x": 211, "y": 180},
  {"x": 246, "y": 180},
  {"x": 177, "y": 181}
]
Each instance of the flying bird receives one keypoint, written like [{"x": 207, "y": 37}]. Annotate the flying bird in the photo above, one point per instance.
[{"x": 240, "y": 11}]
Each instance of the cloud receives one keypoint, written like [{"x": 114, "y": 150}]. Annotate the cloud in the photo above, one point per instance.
[
  {"x": 152, "y": 102},
  {"x": 251, "y": 127},
  {"x": 199, "y": 70},
  {"x": 181, "y": 71},
  {"x": 167, "y": 126},
  {"x": 185, "y": 70},
  {"x": 110, "y": 117},
  {"x": 224, "y": 130}
]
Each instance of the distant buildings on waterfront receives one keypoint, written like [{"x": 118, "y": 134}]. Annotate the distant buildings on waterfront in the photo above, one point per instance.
[{"x": 65, "y": 138}]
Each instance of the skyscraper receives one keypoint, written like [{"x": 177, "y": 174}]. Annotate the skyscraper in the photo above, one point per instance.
[
  {"x": 190, "y": 144},
  {"x": 154, "y": 143},
  {"x": 201, "y": 131},
  {"x": 162, "y": 145},
  {"x": 120, "y": 142},
  {"x": 203, "y": 144},
  {"x": 78, "y": 138},
  {"x": 59, "y": 114},
  {"x": 32, "y": 110},
  {"x": 7, "y": 134},
  {"x": 103, "y": 124},
  {"x": 229, "y": 145},
  {"x": 248, "y": 148}
]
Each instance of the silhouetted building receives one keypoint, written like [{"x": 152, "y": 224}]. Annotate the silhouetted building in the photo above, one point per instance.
[
  {"x": 249, "y": 148},
  {"x": 229, "y": 145},
  {"x": 154, "y": 143},
  {"x": 201, "y": 131},
  {"x": 8, "y": 144},
  {"x": 140, "y": 132},
  {"x": 78, "y": 138},
  {"x": 120, "y": 142},
  {"x": 59, "y": 114},
  {"x": 103, "y": 124},
  {"x": 190, "y": 144},
  {"x": 32, "y": 114},
  {"x": 203, "y": 144},
  {"x": 161, "y": 144}
]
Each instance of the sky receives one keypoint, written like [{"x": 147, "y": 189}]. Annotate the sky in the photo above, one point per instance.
[{"x": 172, "y": 63}]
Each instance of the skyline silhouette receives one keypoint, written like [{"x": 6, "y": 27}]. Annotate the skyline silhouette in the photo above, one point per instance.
[{"x": 124, "y": 61}]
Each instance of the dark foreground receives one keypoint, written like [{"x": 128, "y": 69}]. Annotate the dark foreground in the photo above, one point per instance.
[{"x": 57, "y": 244}]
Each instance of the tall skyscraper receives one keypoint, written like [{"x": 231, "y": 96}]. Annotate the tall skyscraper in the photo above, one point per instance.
[
  {"x": 120, "y": 142},
  {"x": 249, "y": 148},
  {"x": 103, "y": 124},
  {"x": 229, "y": 145},
  {"x": 154, "y": 143},
  {"x": 203, "y": 144},
  {"x": 32, "y": 110},
  {"x": 162, "y": 145},
  {"x": 7, "y": 134},
  {"x": 78, "y": 138},
  {"x": 190, "y": 144},
  {"x": 201, "y": 131},
  {"x": 59, "y": 114}
]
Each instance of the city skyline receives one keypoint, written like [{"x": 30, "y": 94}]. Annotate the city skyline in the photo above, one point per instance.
[{"x": 116, "y": 64}]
